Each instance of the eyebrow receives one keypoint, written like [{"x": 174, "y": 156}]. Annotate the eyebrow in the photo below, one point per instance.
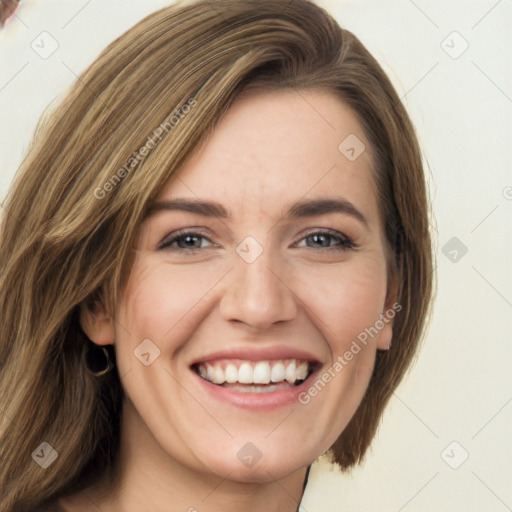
[
  {"x": 300, "y": 209},
  {"x": 321, "y": 206}
]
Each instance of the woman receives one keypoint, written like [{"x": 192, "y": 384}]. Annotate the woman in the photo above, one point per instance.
[{"x": 215, "y": 267}]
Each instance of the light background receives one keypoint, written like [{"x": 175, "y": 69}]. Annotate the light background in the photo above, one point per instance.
[{"x": 460, "y": 388}]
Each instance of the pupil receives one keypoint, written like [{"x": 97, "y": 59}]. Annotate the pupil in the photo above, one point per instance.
[
  {"x": 190, "y": 241},
  {"x": 321, "y": 240}
]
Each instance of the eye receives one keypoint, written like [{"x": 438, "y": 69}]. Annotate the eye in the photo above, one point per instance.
[
  {"x": 327, "y": 240},
  {"x": 186, "y": 242}
]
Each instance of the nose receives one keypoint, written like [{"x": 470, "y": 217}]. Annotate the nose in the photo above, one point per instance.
[{"x": 258, "y": 294}]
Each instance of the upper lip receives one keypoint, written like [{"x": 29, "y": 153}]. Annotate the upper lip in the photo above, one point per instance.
[{"x": 258, "y": 354}]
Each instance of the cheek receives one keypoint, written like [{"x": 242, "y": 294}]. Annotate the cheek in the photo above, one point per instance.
[
  {"x": 346, "y": 299},
  {"x": 160, "y": 303},
  {"x": 346, "y": 303}
]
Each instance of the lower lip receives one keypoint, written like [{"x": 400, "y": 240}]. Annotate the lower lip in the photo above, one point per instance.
[{"x": 260, "y": 401}]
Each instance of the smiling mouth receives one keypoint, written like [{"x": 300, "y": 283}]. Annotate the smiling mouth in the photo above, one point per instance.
[{"x": 256, "y": 376}]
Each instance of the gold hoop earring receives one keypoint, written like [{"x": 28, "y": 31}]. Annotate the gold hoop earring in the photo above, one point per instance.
[{"x": 91, "y": 356}]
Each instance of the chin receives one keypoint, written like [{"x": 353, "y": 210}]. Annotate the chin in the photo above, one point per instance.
[{"x": 267, "y": 462}]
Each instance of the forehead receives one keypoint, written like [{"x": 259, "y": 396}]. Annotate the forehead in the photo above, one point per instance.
[{"x": 280, "y": 146}]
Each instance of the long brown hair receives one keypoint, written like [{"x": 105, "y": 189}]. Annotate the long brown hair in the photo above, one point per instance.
[{"x": 74, "y": 210}]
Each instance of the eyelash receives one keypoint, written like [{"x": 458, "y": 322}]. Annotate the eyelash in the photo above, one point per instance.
[{"x": 344, "y": 241}]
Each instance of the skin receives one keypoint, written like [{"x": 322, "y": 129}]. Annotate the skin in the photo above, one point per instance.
[{"x": 179, "y": 445}]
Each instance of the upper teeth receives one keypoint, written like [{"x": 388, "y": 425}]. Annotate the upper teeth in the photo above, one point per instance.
[{"x": 254, "y": 372}]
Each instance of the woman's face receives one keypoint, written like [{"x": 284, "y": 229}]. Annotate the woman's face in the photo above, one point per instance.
[{"x": 261, "y": 264}]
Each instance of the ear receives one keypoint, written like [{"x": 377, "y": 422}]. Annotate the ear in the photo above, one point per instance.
[
  {"x": 391, "y": 308},
  {"x": 97, "y": 323}
]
